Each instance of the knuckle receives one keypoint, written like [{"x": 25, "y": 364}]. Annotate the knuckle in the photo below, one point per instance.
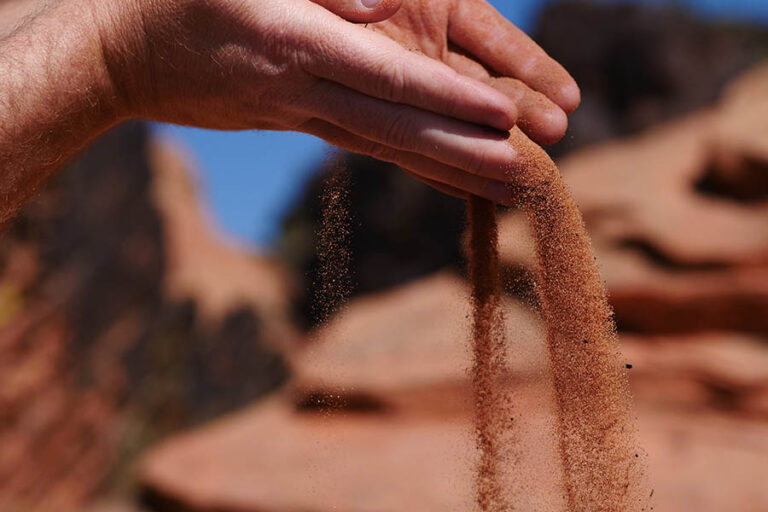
[
  {"x": 532, "y": 62},
  {"x": 399, "y": 131},
  {"x": 478, "y": 162},
  {"x": 392, "y": 81},
  {"x": 451, "y": 102},
  {"x": 376, "y": 150},
  {"x": 491, "y": 161}
]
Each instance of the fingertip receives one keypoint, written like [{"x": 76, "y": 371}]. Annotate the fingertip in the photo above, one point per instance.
[
  {"x": 504, "y": 112},
  {"x": 552, "y": 126},
  {"x": 362, "y": 11},
  {"x": 499, "y": 111},
  {"x": 505, "y": 117},
  {"x": 373, "y": 11},
  {"x": 569, "y": 97},
  {"x": 552, "y": 80},
  {"x": 542, "y": 119}
]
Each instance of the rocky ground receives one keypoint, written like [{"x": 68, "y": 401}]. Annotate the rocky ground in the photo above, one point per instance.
[
  {"x": 123, "y": 318},
  {"x": 377, "y": 414}
]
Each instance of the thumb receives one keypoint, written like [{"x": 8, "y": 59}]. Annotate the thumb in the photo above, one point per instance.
[{"x": 362, "y": 11}]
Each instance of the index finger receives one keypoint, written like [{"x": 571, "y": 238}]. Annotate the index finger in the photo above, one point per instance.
[
  {"x": 377, "y": 66},
  {"x": 481, "y": 30}
]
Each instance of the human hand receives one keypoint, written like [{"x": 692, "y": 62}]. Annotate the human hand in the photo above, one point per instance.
[
  {"x": 292, "y": 65},
  {"x": 473, "y": 38}
]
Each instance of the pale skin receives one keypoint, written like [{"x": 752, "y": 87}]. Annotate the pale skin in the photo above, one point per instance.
[{"x": 412, "y": 84}]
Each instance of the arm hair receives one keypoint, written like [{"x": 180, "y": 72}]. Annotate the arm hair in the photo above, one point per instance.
[{"x": 55, "y": 96}]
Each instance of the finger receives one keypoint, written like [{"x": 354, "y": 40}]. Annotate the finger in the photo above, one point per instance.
[
  {"x": 362, "y": 11},
  {"x": 466, "y": 65},
  {"x": 448, "y": 178},
  {"x": 377, "y": 66},
  {"x": 481, "y": 30},
  {"x": 469, "y": 147},
  {"x": 440, "y": 187},
  {"x": 538, "y": 117}
]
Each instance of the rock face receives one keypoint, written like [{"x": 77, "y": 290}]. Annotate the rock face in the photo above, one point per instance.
[
  {"x": 107, "y": 340},
  {"x": 711, "y": 461},
  {"x": 639, "y": 64},
  {"x": 407, "y": 350},
  {"x": 377, "y": 415},
  {"x": 378, "y": 419}
]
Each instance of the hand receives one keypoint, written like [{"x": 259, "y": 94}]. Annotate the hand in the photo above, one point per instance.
[
  {"x": 451, "y": 31},
  {"x": 293, "y": 65},
  {"x": 473, "y": 38}
]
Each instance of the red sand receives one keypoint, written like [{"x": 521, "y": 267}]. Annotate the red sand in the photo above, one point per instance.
[
  {"x": 492, "y": 411},
  {"x": 333, "y": 251},
  {"x": 602, "y": 463}
]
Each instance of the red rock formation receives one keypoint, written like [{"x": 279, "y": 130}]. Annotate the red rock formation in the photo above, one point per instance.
[
  {"x": 220, "y": 274},
  {"x": 680, "y": 245},
  {"x": 122, "y": 318},
  {"x": 408, "y": 349},
  {"x": 376, "y": 417}
]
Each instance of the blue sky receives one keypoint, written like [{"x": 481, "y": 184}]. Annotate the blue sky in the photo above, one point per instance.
[{"x": 251, "y": 178}]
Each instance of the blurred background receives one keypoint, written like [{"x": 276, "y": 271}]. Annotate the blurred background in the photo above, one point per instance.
[{"x": 159, "y": 351}]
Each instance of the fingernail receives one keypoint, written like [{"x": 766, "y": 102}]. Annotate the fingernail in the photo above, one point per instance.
[{"x": 370, "y": 4}]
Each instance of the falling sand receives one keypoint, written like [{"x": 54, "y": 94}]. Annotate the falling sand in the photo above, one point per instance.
[
  {"x": 601, "y": 464},
  {"x": 602, "y": 469},
  {"x": 489, "y": 354},
  {"x": 333, "y": 249}
]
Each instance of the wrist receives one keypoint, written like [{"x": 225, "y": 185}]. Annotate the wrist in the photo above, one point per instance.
[
  {"x": 51, "y": 72},
  {"x": 116, "y": 27},
  {"x": 55, "y": 97}
]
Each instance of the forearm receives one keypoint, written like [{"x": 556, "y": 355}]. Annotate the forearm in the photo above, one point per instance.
[{"x": 55, "y": 97}]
